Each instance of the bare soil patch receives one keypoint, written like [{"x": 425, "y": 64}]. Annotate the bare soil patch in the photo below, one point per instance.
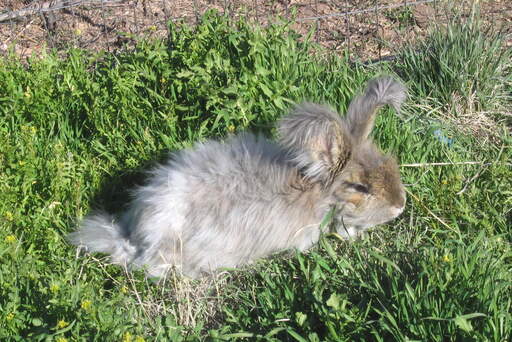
[{"x": 369, "y": 29}]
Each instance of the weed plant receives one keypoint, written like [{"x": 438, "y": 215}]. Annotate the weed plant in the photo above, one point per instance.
[{"x": 76, "y": 132}]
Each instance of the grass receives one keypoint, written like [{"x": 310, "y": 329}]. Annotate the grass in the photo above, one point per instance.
[
  {"x": 77, "y": 132},
  {"x": 464, "y": 69}
]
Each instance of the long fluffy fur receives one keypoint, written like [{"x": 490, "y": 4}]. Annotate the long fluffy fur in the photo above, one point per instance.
[
  {"x": 101, "y": 233},
  {"x": 362, "y": 109},
  {"x": 226, "y": 204},
  {"x": 317, "y": 138}
]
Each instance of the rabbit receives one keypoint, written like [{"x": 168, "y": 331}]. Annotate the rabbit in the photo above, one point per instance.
[{"x": 226, "y": 204}]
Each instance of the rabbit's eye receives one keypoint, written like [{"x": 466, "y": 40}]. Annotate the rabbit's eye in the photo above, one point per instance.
[{"x": 360, "y": 188}]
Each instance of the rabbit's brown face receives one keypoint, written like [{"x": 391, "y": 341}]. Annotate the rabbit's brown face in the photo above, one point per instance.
[{"x": 369, "y": 192}]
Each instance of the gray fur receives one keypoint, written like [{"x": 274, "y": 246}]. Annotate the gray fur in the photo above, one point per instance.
[
  {"x": 105, "y": 236},
  {"x": 362, "y": 109},
  {"x": 316, "y": 137},
  {"x": 227, "y": 204}
]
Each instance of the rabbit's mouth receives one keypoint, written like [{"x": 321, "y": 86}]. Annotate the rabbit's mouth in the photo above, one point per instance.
[
  {"x": 349, "y": 231},
  {"x": 358, "y": 224}
]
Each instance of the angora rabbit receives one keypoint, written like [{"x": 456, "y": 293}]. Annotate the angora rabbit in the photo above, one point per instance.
[{"x": 224, "y": 204}]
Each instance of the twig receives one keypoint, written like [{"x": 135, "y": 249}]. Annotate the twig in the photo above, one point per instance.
[
  {"x": 48, "y": 6},
  {"x": 367, "y": 10},
  {"x": 19, "y": 33},
  {"x": 477, "y": 174},
  {"x": 419, "y": 178},
  {"x": 450, "y": 163},
  {"x": 480, "y": 171}
]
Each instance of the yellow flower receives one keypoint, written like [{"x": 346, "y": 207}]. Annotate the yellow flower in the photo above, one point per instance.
[
  {"x": 78, "y": 32},
  {"x": 29, "y": 129},
  {"x": 8, "y": 216},
  {"x": 231, "y": 128},
  {"x": 10, "y": 316},
  {"x": 21, "y": 163},
  {"x": 124, "y": 289},
  {"x": 61, "y": 339},
  {"x": 54, "y": 288},
  {"x": 127, "y": 337},
  {"x": 447, "y": 258},
  {"x": 86, "y": 304},
  {"x": 10, "y": 238},
  {"x": 152, "y": 28},
  {"x": 62, "y": 324},
  {"x": 444, "y": 182}
]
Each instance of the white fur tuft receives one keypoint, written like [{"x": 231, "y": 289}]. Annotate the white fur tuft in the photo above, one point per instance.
[{"x": 100, "y": 233}]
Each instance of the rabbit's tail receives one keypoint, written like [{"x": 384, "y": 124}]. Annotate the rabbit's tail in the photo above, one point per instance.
[
  {"x": 100, "y": 232},
  {"x": 362, "y": 109}
]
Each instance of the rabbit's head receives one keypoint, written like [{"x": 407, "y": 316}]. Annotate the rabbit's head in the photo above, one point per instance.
[
  {"x": 368, "y": 191},
  {"x": 337, "y": 156}
]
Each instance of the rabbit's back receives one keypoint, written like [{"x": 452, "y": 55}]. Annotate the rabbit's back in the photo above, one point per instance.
[{"x": 219, "y": 205}]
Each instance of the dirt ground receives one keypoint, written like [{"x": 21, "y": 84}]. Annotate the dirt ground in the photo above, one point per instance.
[{"x": 371, "y": 29}]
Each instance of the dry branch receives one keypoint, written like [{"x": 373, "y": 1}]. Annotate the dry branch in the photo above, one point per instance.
[
  {"x": 49, "y": 6},
  {"x": 447, "y": 164}
]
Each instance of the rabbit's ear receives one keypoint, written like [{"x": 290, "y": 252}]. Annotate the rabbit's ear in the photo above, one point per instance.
[
  {"x": 361, "y": 112},
  {"x": 317, "y": 139}
]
